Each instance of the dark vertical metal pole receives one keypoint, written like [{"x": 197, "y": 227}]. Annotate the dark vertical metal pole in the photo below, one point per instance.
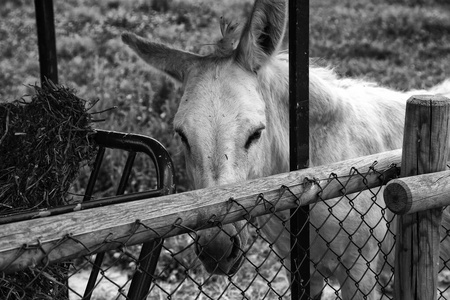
[
  {"x": 45, "y": 24},
  {"x": 46, "y": 40},
  {"x": 299, "y": 139}
]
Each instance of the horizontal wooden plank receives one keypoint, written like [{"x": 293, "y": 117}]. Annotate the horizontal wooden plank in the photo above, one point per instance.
[
  {"x": 418, "y": 193},
  {"x": 62, "y": 237}
]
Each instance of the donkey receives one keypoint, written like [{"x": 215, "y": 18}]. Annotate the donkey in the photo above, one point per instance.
[{"x": 233, "y": 122}]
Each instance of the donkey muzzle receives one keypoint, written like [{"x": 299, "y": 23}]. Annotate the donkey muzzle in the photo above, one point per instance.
[{"x": 220, "y": 250}]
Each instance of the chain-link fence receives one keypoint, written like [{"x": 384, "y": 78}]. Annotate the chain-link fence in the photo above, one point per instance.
[
  {"x": 351, "y": 247},
  {"x": 444, "y": 259}
]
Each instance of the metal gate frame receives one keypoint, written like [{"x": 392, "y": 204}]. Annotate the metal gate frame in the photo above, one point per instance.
[{"x": 132, "y": 143}]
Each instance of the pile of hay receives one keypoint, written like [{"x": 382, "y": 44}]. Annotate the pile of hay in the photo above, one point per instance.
[{"x": 43, "y": 144}]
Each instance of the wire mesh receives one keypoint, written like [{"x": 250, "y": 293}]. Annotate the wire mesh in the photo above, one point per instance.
[{"x": 352, "y": 248}]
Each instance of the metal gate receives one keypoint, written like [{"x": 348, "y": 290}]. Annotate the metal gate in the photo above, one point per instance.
[{"x": 131, "y": 143}]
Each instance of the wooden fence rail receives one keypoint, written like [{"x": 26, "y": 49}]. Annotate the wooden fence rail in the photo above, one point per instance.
[
  {"x": 418, "y": 193},
  {"x": 27, "y": 243}
]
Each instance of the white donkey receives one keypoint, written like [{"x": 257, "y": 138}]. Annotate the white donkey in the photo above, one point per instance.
[{"x": 233, "y": 122}]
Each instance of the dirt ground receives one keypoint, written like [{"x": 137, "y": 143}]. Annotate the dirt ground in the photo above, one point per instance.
[{"x": 108, "y": 289}]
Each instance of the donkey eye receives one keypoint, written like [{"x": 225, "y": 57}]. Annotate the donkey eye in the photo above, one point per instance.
[
  {"x": 183, "y": 138},
  {"x": 253, "y": 138}
]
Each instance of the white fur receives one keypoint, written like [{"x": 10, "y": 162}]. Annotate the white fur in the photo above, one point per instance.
[
  {"x": 348, "y": 118},
  {"x": 228, "y": 98}
]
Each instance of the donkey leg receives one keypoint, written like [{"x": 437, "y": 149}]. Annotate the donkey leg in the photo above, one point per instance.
[
  {"x": 358, "y": 282},
  {"x": 317, "y": 284},
  {"x": 276, "y": 233}
]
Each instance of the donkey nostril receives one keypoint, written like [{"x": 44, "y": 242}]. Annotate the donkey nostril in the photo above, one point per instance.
[
  {"x": 209, "y": 251},
  {"x": 222, "y": 255},
  {"x": 199, "y": 250},
  {"x": 202, "y": 256},
  {"x": 236, "y": 248}
]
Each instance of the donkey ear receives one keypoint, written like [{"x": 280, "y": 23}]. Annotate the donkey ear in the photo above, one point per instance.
[
  {"x": 174, "y": 63},
  {"x": 262, "y": 34}
]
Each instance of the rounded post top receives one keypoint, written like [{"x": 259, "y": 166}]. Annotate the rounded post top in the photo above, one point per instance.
[{"x": 432, "y": 100}]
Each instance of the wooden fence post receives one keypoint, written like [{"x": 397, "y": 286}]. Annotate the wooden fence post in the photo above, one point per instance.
[{"x": 425, "y": 150}]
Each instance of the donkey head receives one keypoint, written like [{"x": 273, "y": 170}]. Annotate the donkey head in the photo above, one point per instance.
[{"x": 222, "y": 118}]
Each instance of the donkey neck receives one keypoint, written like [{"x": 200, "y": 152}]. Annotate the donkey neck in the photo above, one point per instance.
[{"x": 327, "y": 109}]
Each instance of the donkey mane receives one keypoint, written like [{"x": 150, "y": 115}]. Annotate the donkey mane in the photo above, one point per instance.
[
  {"x": 333, "y": 102},
  {"x": 273, "y": 81}
]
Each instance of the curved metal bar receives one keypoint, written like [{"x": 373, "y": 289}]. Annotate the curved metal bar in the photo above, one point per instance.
[
  {"x": 129, "y": 142},
  {"x": 140, "y": 143},
  {"x": 150, "y": 251}
]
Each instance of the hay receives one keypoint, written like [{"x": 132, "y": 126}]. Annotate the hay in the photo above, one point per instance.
[{"x": 43, "y": 144}]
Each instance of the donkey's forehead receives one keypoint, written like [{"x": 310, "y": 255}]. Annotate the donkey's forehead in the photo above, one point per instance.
[
  {"x": 218, "y": 78},
  {"x": 223, "y": 88}
]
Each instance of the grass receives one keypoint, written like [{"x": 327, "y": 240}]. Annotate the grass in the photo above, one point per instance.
[
  {"x": 394, "y": 43},
  {"x": 401, "y": 44}
]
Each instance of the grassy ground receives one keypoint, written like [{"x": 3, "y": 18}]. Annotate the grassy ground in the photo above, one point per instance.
[
  {"x": 395, "y": 43},
  {"x": 401, "y": 44}
]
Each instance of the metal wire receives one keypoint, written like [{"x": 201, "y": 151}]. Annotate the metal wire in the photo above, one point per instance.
[{"x": 265, "y": 272}]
